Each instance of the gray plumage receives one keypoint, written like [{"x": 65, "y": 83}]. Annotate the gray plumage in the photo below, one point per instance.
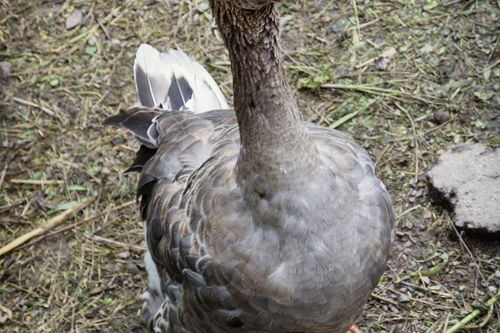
[{"x": 237, "y": 243}]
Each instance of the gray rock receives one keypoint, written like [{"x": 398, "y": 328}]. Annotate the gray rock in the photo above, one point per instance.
[
  {"x": 5, "y": 69},
  {"x": 442, "y": 116},
  {"x": 124, "y": 255},
  {"x": 116, "y": 44},
  {"x": 203, "y": 7},
  {"x": 466, "y": 181},
  {"x": 74, "y": 20}
]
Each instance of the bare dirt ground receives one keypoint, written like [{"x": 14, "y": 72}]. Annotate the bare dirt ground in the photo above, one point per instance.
[{"x": 382, "y": 71}]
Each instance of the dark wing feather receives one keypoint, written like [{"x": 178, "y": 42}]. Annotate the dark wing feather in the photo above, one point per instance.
[
  {"x": 144, "y": 88},
  {"x": 179, "y": 93}
]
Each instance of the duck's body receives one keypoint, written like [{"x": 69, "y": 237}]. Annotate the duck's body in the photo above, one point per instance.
[{"x": 257, "y": 222}]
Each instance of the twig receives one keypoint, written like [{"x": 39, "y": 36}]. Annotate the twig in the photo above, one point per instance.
[
  {"x": 415, "y": 140},
  {"x": 36, "y": 182},
  {"x": 431, "y": 271},
  {"x": 407, "y": 211},
  {"x": 7, "y": 311},
  {"x": 43, "y": 108},
  {"x": 351, "y": 115},
  {"x": 9, "y": 207},
  {"x": 7, "y": 161},
  {"x": 358, "y": 26},
  {"x": 392, "y": 93},
  {"x": 53, "y": 222},
  {"x": 96, "y": 238},
  {"x": 103, "y": 28},
  {"x": 2, "y": 174},
  {"x": 382, "y": 153},
  {"x": 344, "y": 119},
  {"x": 485, "y": 321},
  {"x": 384, "y": 299},
  {"x": 464, "y": 244},
  {"x": 90, "y": 31},
  {"x": 79, "y": 223},
  {"x": 490, "y": 303},
  {"x": 356, "y": 36}
]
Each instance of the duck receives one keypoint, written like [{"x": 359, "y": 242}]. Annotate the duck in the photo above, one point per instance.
[{"x": 254, "y": 219}]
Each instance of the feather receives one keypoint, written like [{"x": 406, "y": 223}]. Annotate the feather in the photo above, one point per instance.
[
  {"x": 139, "y": 121},
  {"x": 179, "y": 93},
  {"x": 174, "y": 81},
  {"x": 149, "y": 79}
]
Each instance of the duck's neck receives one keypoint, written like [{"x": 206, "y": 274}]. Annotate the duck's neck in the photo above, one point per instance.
[{"x": 274, "y": 141}]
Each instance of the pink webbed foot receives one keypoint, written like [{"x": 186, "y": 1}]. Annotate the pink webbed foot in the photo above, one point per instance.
[{"x": 354, "y": 329}]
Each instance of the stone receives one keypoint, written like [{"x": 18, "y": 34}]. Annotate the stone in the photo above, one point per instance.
[
  {"x": 285, "y": 19},
  {"x": 124, "y": 255},
  {"x": 203, "y": 7},
  {"x": 466, "y": 181},
  {"x": 442, "y": 116},
  {"x": 5, "y": 69},
  {"x": 116, "y": 44},
  {"x": 74, "y": 20}
]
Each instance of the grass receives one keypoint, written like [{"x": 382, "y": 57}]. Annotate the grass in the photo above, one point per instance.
[{"x": 378, "y": 70}]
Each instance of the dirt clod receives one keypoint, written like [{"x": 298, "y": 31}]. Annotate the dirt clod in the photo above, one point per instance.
[{"x": 466, "y": 179}]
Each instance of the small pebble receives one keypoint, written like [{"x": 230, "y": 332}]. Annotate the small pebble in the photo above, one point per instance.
[
  {"x": 425, "y": 280},
  {"x": 202, "y": 7},
  {"x": 9, "y": 262},
  {"x": 116, "y": 44},
  {"x": 124, "y": 255},
  {"x": 285, "y": 19},
  {"x": 442, "y": 116},
  {"x": 133, "y": 269},
  {"x": 93, "y": 40},
  {"x": 335, "y": 28},
  {"x": 5, "y": 69},
  {"x": 403, "y": 299},
  {"x": 74, "y": 20}
]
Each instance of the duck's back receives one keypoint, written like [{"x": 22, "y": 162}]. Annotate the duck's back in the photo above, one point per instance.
[{"x": 292, "y": 259}]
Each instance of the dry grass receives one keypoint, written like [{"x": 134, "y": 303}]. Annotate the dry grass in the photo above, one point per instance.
[{"x": 378, "y": 70}]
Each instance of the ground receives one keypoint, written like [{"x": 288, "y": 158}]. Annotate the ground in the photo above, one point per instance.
[{"x": 405, "y": 79}]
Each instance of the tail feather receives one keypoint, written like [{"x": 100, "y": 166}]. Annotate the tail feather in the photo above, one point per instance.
[{"x": 174, "y": 81}]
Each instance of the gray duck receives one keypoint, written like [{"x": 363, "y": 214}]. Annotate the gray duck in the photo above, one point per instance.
[{"x": 255, "y": 221}]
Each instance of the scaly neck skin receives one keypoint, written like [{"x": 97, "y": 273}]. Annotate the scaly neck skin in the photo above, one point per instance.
[{"x": 274, "y": 142}]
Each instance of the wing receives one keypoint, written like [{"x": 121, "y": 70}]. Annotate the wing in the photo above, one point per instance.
[{"x": 178, "y": 147}]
